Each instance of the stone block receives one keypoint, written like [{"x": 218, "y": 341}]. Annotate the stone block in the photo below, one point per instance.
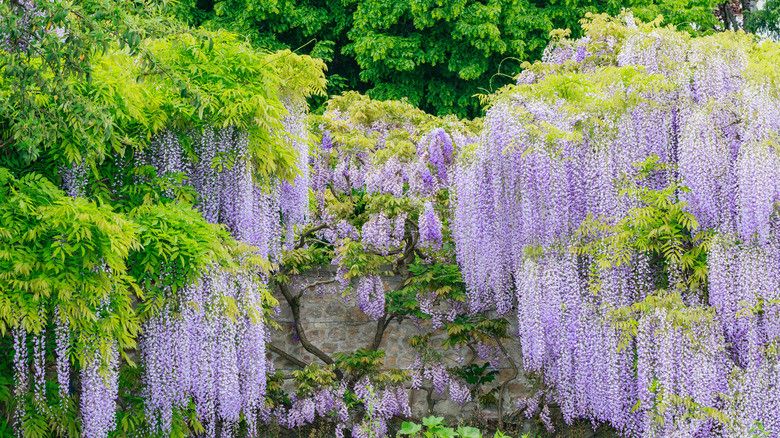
[{"x": 337, "y": 334}]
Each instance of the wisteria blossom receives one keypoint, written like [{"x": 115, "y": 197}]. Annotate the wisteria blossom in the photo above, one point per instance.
[{"x": 544, "y": 167}]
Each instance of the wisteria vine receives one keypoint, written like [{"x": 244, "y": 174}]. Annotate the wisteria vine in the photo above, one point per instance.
[{"x": 542, "y": 201}]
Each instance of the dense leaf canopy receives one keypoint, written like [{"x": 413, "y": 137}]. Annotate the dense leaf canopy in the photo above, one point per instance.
[{"x": 437, "y": 54}]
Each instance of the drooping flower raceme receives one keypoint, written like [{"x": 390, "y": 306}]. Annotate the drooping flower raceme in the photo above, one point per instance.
[
  {"x": 202, "y": 355},
  {"x": 379, "y": 234},
  {"x": 293, "y": 199},
  {"x": 430, "y": 228},
  {"x": 99, "y": 392},
  {"x": 62, "y": 346},
  {"x": 547, "y": 162},
  {"x": 371, "y": 296}
]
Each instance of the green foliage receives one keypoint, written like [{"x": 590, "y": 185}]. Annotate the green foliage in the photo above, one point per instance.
[
  {"x": 361, "y": 361},
  {"x": 40, "y": 73},
  {"x": 660, "y": 227},
  {"x": 478, "y": 375},
  {"x": 469, "y": 328},
  {"x": 70, "y": 252},
  {"x": 313, "y": 377},
  {"x": 435, "y": 427},
  {"x": 766, "y": 21},
  {"x": 436, "y": 54},
  {"x": 92, "y": 83},
  {"x": 114, "y": 99}
]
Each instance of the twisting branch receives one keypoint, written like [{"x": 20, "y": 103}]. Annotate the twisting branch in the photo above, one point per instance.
[
  {"x": 515, "y": 373},
  {"x": 384, "y": 321},
  {"x": 381, "y": 326},
  {"x": 333, "y": 191},
  {"x": 385, "y": 254},
  {"x": 302, "y": 238},
  {"x": 315, "y": 284},
  {"x": 314, "y": 239},
  {"x": 429, "y": 399},
  {"x": 349, "y": 188},
  {"x": 295, "y": 306},
  {"x": 474, "y": 354},
  {"x": 407, "y": 256},
  {"x": 286, "y": 356}
]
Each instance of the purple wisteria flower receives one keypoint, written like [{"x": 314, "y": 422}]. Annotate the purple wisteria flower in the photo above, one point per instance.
[{"x": 430, "y": 228}]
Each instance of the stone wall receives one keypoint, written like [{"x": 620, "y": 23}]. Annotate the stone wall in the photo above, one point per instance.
[{"x": 335, "y": 325}]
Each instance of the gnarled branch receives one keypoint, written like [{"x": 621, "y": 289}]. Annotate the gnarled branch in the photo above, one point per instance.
[
  {"x": 295, "y": 307},
  {"x": 516, "y": 373},
  {"x": 286, "y": 356}
]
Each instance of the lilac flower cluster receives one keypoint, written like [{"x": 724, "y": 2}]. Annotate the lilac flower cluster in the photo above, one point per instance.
[
  {"x": 294, "y": 197},
  {"x": 26, "y": 15},
  {"x": 459, "y": 392},
  {"x": 489, "y": 353},
  {"x": 380, "y": 407},
  {"x": 324, "y": 403},
  {"x": 39, "y": 371},
  {"x": 99, "y": 392},
  {"x": 524, "y": 192},
  {"x": 74, "y": 180},
  {"x": 437, "y": 149},
  {"x": 441, "y": 380},
  {"x": 387, "y": 178},
  {"x": 371, "y": 296},
  {"x": 224, "y": 177},
  {"x": 201, "y": 354},
  {"x": 380, "y": 234},
  {"x": 21, "y": 371},
  {"x": 62, "y": 345},
  {"x": 430, "y": 228}
]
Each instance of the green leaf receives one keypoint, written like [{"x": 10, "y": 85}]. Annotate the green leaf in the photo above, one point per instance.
[
  {"x": 469, "y": 432},
  {"x": 432, "y": 421},
  {"x": 409, "y": 428}
]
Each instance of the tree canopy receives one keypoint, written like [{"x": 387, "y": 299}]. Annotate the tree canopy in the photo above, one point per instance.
[{"x": 436, "y": 54}]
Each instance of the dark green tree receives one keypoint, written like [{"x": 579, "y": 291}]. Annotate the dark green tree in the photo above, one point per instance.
[
  {"x": 436, "y": 53},
  {"x": 766, "y": 21}
]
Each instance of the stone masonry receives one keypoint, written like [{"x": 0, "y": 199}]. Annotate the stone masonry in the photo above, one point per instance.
[{"x": 336, "y": 324}]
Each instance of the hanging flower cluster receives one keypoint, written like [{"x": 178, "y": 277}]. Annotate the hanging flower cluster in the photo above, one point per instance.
[
  {"x": 199, "y": 353},
  {"x": 371, "y": 296},
  {"x": 62, "y": 352},
  {"x": 224, "y": 178},
  {"x": 441, "y": 380},
  {"x": 380, "y": 235},
  {"x": 100, "y": 389},
  {"x": 381, "y": 162},
  {"x": 552, "y": 161},
  {"x": 380, "y": 407},
  {"x": 294, "y": 197},
  {"x": 430, "y": 228},
  {"x": 321, "y": 403},
  {"x": 437, "y": 149}
]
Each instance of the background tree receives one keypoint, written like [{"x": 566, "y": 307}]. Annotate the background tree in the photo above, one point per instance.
[
  {"x": 765, "y": 21},
  {"x": 437, "y": 54}
]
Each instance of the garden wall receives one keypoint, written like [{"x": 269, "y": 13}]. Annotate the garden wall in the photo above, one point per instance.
[{"x": 335, "y": 325}]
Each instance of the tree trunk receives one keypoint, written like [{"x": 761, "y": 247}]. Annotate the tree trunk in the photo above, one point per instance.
[
  {"x": 748, "y": 6},
  {"x": 729, "y": 19}
]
